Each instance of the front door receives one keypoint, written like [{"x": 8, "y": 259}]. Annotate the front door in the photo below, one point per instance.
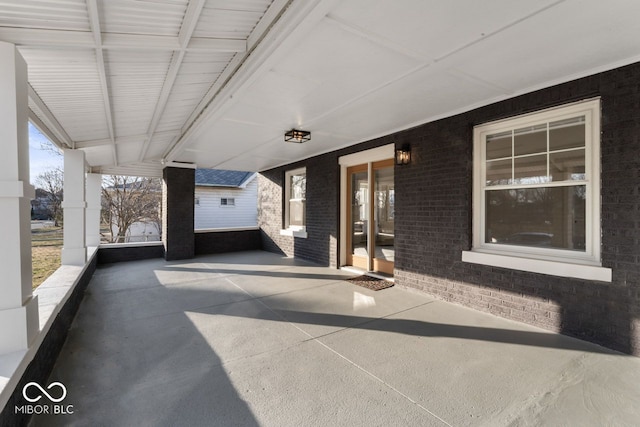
[{"x": 370, "y": 216}]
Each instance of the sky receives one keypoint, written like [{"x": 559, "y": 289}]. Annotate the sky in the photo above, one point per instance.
[{"x": 41, "y": 159}]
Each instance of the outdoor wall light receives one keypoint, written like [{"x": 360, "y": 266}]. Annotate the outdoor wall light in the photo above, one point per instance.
[
  {"x": 297, "y": 136},
  {"x": 403, "y": 155}
]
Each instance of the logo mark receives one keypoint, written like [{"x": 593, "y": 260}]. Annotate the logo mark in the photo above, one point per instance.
[{"x": 44, "y": 392}]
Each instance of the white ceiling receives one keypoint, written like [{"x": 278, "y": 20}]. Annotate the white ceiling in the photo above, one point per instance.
[{"x": 135, "y": 83}]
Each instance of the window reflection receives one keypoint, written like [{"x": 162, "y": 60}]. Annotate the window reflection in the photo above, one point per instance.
[
  {"x": 297, "y": 199},
  {"x": 567, "y": 165},
  {"x": 538, "y": 217},
  {"x": 359, "y": 213},
  {"x": 530, "y": 140},
  {"x": 530, "y": 169},
  {"x": 537, "y": 154},
  {"x": 385, "y": 214}
]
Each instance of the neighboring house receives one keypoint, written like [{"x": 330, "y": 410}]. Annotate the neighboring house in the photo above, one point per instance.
[
  {"x": 41, "y": 206},
  {"x": 225, "y": 199},
  {"x": 141, "y": 231},
  {"x": 141, "y": 197}
]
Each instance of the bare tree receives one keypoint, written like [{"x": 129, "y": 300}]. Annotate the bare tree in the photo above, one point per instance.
[
  {"x": 52, "y": 183},
  {"x": 46, "y": 145},
  {"x": 127, "y": 200}
]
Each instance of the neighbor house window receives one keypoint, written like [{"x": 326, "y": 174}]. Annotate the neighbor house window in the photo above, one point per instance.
[
  {"x": 295, "y": 202},
  {"x": 227, "y": 201},
  {"x": 536, "y": 189}
]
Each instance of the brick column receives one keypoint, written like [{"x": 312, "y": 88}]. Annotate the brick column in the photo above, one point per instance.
[
  {"x": 18, "y": 307},
  {"x": 178, "y": 195}
]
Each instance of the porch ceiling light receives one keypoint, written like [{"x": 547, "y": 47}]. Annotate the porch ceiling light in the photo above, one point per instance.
[
  {"x": 403, "y": 155},
  {"x": 297, "y": 136}
]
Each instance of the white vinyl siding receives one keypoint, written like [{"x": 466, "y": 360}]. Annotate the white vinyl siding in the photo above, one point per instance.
[{"x": 211, "y": 213}]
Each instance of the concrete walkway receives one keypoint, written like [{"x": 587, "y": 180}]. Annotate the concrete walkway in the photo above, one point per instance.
[{"x": 254, "y": 339}]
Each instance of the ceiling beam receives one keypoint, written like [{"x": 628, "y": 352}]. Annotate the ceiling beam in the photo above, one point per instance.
[
  {"x": 189, "y": 23},
  {"x": 271, "y": 16},
  {"x": 94, "y": 143},
  {"x": 169, "y": 134},
  {"x": 46, "y": 38},
  {"x": 94, "y": 19},
  {"x": 151, "y": 42},
  {"x": 44, "y": 120},
  {"x": 33, "y": 37},
  {"x": 146, "y": 170},
  {"x": 201, "y": 44},
  {"x": 44, "y": 129},
  {"x": 294, "y": 19}
]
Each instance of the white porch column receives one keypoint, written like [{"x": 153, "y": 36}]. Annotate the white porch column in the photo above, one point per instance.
[
  {"x": 94, "y": 192},
  {"x": 74, "y": 249},
  {"x": 18, "y": 307}
]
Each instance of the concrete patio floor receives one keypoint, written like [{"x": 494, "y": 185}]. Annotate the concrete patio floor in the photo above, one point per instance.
[{"x": 255, "y": 339}]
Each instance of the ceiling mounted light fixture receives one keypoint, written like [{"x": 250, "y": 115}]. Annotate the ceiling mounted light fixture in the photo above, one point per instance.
[{"x": 297, "y": 136}]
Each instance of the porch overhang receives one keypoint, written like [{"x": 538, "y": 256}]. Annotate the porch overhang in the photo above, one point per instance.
[{"x": 217, "y": 85}]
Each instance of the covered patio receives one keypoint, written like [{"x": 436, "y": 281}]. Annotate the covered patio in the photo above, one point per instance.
[
  {"x": 159, "y": 88},
  {"x": 254, "y": 338}
]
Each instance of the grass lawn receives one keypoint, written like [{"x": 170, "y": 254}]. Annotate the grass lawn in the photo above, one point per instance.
[
  {"x": 46, "y": 249},
  {"x": 46, "y": 260}
]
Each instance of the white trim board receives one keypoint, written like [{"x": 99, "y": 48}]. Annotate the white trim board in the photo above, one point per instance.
[
  {"x": 553, "y": 268},
  {"x": 384, "y": 152},
  {"x": 377, "y": 154}
]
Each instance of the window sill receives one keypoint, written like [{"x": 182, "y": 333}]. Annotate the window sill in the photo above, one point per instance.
[
  {"x": 553, "y": 268},
  {"x": 302, "y": 234}
]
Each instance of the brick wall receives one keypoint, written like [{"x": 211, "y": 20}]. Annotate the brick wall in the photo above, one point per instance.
[
  {"x": 227, "y": 241},
  {"x": 322, "y": 204},
  {"x": 270, "y": 212},
  {"x": 129, "y": 252},
  {"x": 433, "y": 217},
  {"x": 433, "y": 220}
]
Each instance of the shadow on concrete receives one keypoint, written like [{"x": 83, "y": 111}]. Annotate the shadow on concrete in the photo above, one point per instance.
[
  {"x": 402, "y": 326},
  {"x": 154, "y": 368},
  {"x": 281, "y": 274},
  {"x": 433, "y": 329},
  {"x": 135, "y": 357},
  {"x": 434, "y": 222},
  {"x": 598, "y": 312}
]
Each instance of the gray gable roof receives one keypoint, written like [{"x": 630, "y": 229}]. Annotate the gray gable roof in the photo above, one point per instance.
[{"x": 221, "y": 178}]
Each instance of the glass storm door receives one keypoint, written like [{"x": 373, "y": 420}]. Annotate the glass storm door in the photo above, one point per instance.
[
  {"x": 383, "y": 216},
  {"x": 370, "y": 216},
  {"x": 358, "y": 213}
]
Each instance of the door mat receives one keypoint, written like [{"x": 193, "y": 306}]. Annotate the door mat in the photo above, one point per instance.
[{"x": 372, "y": 283}]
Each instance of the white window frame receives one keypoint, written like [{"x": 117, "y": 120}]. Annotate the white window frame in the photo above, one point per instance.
[
  {"x": 292, "y": 230},
  {"x": 584, "y": 265},
  {"x": 227, "y": 204}
]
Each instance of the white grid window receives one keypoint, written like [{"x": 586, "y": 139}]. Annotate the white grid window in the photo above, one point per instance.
[
  {"x": 295, "y": 197},
  {"x": 227, "y": 201},
  {"x": 536, "y": 186}
]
